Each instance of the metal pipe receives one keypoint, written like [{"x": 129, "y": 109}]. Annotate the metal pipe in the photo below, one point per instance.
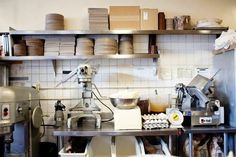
[
  {"x": 225, "y": 144},
  {"x": 190, "y": 135},
  {"x": 4, "y": 70}
]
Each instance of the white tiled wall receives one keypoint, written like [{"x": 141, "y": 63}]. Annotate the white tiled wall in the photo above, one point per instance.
[{"x": 180, "y": 55}]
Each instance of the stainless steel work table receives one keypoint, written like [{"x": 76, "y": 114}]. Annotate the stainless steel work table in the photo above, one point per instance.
[
  {"x": 107, "y": 129},
  {"x": 209, "y": 130}
]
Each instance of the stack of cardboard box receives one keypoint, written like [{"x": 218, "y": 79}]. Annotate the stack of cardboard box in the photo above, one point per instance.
[
  {"x": 149, "y": 19},
  {"x": 124, "y": 17},
  {"x": 133, "y": 18}
]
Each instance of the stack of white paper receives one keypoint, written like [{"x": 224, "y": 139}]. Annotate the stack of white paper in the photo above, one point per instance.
[
  {"x": 98, "y": 18},
  {"x": 51, "y": 46},
  {"x": 55, "y": 46},
  {"x": 140, "y": 43},
  {"x": 67, "y": 46}
]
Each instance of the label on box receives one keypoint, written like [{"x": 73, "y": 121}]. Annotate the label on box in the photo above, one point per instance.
[
  {"x": 205, "y": 120},
  {"x": 145, "y": 15}
]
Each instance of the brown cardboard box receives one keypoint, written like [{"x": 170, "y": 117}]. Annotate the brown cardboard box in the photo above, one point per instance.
[
  {"x": 124, "y": 17},
  {"x": 149, "y": 19}
]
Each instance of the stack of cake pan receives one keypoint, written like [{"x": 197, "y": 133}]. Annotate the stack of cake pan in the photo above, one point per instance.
[
  {"x": 126, "y": 44},
  {"x": 35, "y": 47},
  {"x": 104, "y": 46},
  {"x": 84, "y": 46},
  {"x": 54, "y": 22},
  {"x": 20, "y": 48}
]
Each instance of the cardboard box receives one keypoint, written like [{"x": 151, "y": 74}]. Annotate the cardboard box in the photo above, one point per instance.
[
  {"x": 124, "y": 17},
  {"x": 149, "y": 19}
]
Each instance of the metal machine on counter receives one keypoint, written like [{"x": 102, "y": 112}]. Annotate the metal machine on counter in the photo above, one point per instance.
[
  {"x": 20, "y": 120},
  {"x": 59, "y": 115},
  {"x": 86, "y": 108},
  {"x": 197, "y": 104}
]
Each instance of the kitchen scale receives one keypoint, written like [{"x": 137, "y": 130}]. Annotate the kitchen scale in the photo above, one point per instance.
[
  {"x": 175, "y": 117},
  {"x": 127, "y": 118}
]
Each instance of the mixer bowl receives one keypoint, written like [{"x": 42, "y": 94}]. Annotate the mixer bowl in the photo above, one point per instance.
[{"x": 124, "y": 103}]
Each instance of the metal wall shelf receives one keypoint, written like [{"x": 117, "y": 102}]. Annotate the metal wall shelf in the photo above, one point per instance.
[
  {"x": 117, "y": 56},
  {"x": 134, "y": 32}
]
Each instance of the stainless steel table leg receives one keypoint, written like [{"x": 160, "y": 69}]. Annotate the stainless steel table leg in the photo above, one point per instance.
[
  {"x": 234, "y": 138},
  {"x": 190, "y": 135},
  {"x": 60, "y": 140},
  {"x": 225, "y": 144},
  {"x": 170, "y": 144},
  {"x": 113, "y": 146}
]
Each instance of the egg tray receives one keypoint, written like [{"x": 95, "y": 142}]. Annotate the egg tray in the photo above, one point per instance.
[{"x": 155, "y": 121}]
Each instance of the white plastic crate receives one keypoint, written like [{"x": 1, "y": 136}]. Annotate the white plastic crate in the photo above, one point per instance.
[
  {"x": 164, "y": 149},
  {"x": 62, "y": 153}
]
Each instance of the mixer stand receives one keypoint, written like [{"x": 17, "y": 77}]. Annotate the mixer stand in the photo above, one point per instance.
[
  {"x": 85, "y": 112},
  {"x": 76, "y": 118}
]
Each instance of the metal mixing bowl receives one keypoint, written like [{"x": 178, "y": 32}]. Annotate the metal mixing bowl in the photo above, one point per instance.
[{"x": 124, "y": 103}]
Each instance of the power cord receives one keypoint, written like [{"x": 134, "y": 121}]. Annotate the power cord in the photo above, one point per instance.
[{"x": 106, "y": 107}]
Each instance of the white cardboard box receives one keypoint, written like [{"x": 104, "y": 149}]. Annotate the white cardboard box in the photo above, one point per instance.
[{"x": 127, "y": 119}]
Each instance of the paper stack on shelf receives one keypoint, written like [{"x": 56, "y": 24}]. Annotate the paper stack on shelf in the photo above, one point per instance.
[
  {"x": 140, "y": 43},
  {"x": 84, "y": 46},
  {"x": 67, "y": 46},
  {"x": 1, "y": 47},
  {"x": 63, "y": 46},
  {"x": 98, "y": 18},
  {"x": 52, "y": 46}
]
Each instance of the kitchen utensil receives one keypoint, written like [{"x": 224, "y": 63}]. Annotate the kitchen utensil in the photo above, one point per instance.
[
  {"x": 161, "y": 21},
  {"x": 169, "y": 24},
  {"x": 182, "y": 22}
]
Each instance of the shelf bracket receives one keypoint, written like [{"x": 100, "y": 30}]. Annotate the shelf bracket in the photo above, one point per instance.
[
  {"x": 54, "y": 64},
  {"x": 155, "y": 66}
]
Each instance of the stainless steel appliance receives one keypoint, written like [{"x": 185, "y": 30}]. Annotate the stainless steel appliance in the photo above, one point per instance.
[
  {"x": 86, "y": 108},
  {"x": 197, "y": 103},
  {"x": 20, "y": 120},
  {"x": 59, "y": 115},
  {"x": 225, "y": 88}
]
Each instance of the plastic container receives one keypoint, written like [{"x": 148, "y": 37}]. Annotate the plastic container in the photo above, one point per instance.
[
  {"x": 164, "y": 150},
  {"x": 159, "y": 103},
  {"x": 125, "y": 146},
  {"x": 100, "y": 146},
  {"x": 62, "y": 153}
]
